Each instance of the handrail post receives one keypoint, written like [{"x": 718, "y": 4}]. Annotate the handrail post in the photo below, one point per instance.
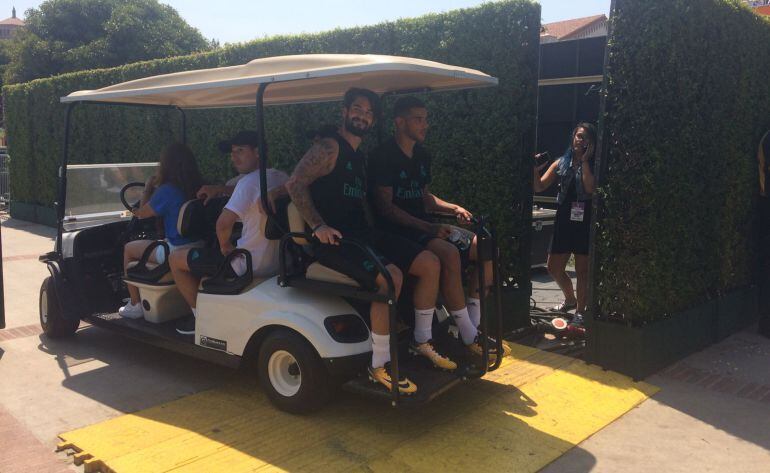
[
  {"x": 498, "y": 302},
  {"x": 61, "y": 197},
  {"x": 262, "y": 148},
  {"x": 482, "y": 303}
]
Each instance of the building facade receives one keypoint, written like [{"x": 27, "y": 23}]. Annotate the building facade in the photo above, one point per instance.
[{"x": 9, "y": 26}]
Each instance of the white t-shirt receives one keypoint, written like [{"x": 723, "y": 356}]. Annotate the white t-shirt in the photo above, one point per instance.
[
  {"x": 245, "y": 203},
  {"x": 234, "y": 180}
]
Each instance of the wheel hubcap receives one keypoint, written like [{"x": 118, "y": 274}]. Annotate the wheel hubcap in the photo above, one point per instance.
[
  {"x": 284, "y": 373},
  {"x": 44, "y": 307}
]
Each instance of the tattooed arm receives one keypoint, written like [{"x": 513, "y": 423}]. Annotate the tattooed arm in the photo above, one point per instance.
[{"x": 317, "y": 162}]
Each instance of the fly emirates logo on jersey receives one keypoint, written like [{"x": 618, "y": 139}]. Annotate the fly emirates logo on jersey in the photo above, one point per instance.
[
  {"x": 355, "y": 191},
  {"x": 413, "y": 192}
]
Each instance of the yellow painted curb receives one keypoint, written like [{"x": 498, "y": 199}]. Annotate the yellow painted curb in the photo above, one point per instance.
[{"x": 519, "y": 418}]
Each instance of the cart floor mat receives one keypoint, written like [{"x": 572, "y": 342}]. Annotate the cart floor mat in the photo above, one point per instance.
[{"x": 521, "y": 417}]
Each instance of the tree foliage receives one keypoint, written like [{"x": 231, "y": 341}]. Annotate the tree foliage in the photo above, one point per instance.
[
  {"x": 71, "y": 35},
  {"x": 481, "y": 139}
]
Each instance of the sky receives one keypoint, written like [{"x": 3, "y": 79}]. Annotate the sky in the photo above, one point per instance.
[{"x": 234, "y": 21}]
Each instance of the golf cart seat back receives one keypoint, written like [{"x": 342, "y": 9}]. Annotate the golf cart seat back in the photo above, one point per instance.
[
  {"x": 278, "y": 222},
  {"x": 192, "y": 224},
  {"x": 199, "y": 222},
  {"x": 315, "y": 271},
  {"x": 159, "y": 296}
]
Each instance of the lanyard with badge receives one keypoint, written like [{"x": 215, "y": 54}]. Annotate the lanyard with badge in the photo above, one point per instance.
[{"x": 577, "y": 212}]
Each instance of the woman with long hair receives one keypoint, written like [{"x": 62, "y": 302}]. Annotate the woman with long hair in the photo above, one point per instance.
[
  {"x": 176, "y": 181},
  {"x": 573, "y": 216}
]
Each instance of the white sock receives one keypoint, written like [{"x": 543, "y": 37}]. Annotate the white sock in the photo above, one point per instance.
[
  {"x": 380, "y": 350},
  {"x": 474, "y": 310},
  {"x": 467, "y": 331},
  {"x": 423, "y": 321}
]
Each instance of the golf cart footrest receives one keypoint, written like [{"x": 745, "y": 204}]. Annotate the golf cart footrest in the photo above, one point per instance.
[
  {"x": 342, "y": 290},
  {"x": 430, "y": 382}
]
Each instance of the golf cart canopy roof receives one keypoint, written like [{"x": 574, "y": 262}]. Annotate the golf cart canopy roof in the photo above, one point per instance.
[{"x": 293, "y": 79}]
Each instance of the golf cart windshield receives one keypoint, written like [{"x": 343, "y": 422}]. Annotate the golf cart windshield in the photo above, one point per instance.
[{"x": 93, "y": 192}]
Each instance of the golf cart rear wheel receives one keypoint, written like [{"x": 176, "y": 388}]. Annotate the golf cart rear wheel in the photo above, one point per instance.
[
  {"x": 291, "y": 373},
  {"x": 51, "y": 320}
]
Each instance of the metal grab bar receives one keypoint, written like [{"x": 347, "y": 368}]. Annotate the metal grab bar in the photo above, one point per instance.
[{"x": 486, "y": 237}]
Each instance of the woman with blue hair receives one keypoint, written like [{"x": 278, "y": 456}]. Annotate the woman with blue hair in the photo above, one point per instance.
[{"x": 573, "y": 216}]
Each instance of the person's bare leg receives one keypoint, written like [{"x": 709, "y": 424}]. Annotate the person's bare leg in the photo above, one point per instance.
[
  {"x": 184, "y": 279},
  {"x": 379, "y": 313},
  {"x": 133, "y": 252},
  {"x": 473, "y": 284},
  {"x": 557, "y": 263},
  {"x": 380, "y": 318},
  {"x": 427, "y": 268},
  {"x": 451, "y": 278},
  {"x": 581, "y": 268}
]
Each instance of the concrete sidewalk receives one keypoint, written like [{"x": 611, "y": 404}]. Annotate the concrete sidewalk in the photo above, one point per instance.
[{"x": 712, "y": 414}]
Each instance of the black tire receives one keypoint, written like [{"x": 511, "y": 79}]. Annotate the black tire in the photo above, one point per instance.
[
  {"x": 54, "y": 325},
  {"x": 314, "y": 383}
]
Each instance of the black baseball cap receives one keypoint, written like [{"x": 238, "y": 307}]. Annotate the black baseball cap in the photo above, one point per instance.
[{"x": 243, "y": 137}]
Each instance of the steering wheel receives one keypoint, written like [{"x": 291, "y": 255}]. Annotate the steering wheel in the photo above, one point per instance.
[
  {"x": 129, "y": 205},
  {"x": 136, "y": 229}
]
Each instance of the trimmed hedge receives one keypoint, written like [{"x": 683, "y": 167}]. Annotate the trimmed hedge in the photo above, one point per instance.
[
  {"x": 688, "y": 101},
  {"x": 481, "y": 139}
]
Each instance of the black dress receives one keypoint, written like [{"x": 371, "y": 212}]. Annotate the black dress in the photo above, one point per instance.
[{"x": 570, "y": 236}]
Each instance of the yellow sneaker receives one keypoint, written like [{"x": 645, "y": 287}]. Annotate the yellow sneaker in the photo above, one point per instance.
[
  {"x": 439, "y": 361},
  {"x": 493, "y": 346},
  {"x": 382, "y": 375},
  {"x": 475, "y": 349}
]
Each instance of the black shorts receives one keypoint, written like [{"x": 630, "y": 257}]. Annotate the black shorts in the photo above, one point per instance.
[
  {"x": 206, "y": 262},
  {"x": 463, "y": 244},
  {"x": 353, "y": 262}
]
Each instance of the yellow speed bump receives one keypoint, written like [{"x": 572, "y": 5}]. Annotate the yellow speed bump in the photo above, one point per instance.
[{"x": 519, "y": 418}]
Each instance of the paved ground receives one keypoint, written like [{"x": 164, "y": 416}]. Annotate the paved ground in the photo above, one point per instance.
[{"x": 712, "y": 414}]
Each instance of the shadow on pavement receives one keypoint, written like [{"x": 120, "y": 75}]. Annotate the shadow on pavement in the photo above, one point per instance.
[
  {"x": 478, "y": 425},
  {"x": 34, "y": 228},
  {"x": 128, "y": 375}
]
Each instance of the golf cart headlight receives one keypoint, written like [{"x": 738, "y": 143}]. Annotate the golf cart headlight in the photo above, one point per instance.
[{"x": 346, "y": 328}]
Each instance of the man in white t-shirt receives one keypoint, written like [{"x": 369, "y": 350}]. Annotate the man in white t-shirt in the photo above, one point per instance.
[
  {"x": 212, "y": 191},
  {"x": 190, "y": 265}
]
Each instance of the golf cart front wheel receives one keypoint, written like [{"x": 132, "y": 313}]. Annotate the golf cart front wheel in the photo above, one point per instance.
[
  {"x": 291, "y": 373},
  {"x": 51, "y": 320}
]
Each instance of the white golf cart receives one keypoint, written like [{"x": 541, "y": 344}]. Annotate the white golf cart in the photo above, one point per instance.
[{"x": 305, "y": 328}]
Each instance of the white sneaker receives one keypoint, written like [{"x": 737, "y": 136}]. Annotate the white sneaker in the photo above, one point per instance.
[{"x": 131, "y": 311}]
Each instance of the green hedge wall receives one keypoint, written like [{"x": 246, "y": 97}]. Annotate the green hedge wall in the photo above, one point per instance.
[
  {"x": 688, "y": 101},
  {"x": 481, "y": 139}
]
